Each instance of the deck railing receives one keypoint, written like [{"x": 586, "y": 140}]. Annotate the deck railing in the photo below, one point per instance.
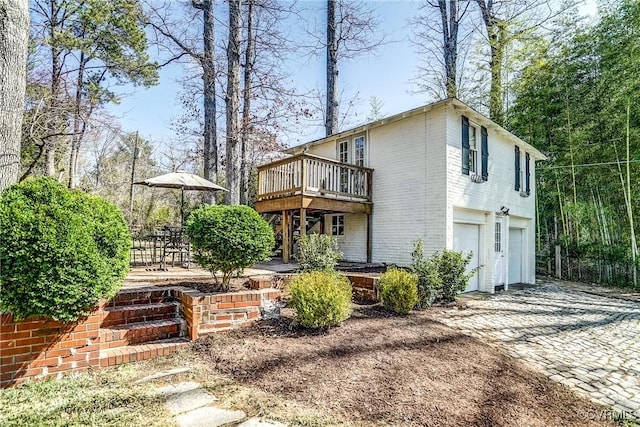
[{"x": 314, "y": 176}]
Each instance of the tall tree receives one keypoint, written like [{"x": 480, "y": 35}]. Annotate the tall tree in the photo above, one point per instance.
[
  {"x": 437, "y": 35},
  {"x": 110, "y": 42},
  {"x": 53, "y": 12},
  {"x": 249, "y": 62},
  {"x": 14, "y": 35},
  {"x": 505, "y": 21},
  {"x": 172, "y": 37},
  {"x": 208, "y": 62},
  {"x": 88, "y": 45},
  {"x": 351, "y": 30},
  {"x": 265, "y": 103},
  {"x": 578, "y": 87},
  {"x": 232, "y": 101},
  {"x": 331, "y": 108}
]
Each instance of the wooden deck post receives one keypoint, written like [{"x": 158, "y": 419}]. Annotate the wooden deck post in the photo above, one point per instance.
[
  {"x": 285, "y": 237},
  {"x": 303, "y": 222}
]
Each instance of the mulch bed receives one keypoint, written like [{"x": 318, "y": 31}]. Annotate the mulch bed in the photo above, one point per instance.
[
  {"x": 380, "y": 369},
  {"x": 209, "y": 286}
]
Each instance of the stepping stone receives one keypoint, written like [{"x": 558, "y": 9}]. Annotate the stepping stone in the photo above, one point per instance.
[
  {"x": 162, "y": 374},
  {"x": 257, "y": 422},
  {"x": 209, "y": 417},
  {"x": 189, "y": 400},
  {"x": 172, "y": 389}
]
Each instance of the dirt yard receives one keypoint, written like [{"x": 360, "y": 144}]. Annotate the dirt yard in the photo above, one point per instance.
[{"x": 380, "y": 370}]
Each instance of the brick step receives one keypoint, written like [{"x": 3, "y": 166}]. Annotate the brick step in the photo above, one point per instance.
[
  {"x": 142, "y": 296},
  {"x": 124, "y": 315},
  {"x": 136, "y": 353},
  {"x": 137, "y": 333}
]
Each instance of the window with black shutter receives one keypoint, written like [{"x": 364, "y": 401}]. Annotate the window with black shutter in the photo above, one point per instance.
[
  {"x": 517, "y": 164},
  {"x": 465, "y": 145},
  {"x": 527, "y": 170},
  {"x": 485, "y": 153}
]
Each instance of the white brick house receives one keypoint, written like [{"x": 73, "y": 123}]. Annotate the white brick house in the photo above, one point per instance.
[{"x": 442, "y": 173}]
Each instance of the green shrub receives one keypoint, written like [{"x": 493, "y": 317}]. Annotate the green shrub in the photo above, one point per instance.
[
  {"x": 318, "y": 252},
  {"x": 451, "y": 267},
  {"x": 398, "y": 290},
  {"x": 429, "y": 280},
  {"x": 60, "y": 250},
  {"x": 321, "y": 298},
  {"x": 229, "y": 239}
]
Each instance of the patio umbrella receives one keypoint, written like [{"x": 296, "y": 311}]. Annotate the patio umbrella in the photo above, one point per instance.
[{"x": 182, "y": 181}]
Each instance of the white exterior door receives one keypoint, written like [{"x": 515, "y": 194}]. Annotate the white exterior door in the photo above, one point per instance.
[
  {"x": 515, "y": 255},
  {"x": 498, "y": 253},
  {"x": 466, "y": 238}
]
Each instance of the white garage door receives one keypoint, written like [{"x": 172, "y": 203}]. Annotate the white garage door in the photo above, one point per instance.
[
  {"x": 515, "y": 255},
  {"x": 466, "y": 238}
]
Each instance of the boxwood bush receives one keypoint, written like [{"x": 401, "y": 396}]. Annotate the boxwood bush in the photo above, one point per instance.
[
  {"x": 60, "y": 250},
  {"x": 320, "y": 299},
  {"x": 398, "y": 290},
  {"x": 229, "y": 239}
]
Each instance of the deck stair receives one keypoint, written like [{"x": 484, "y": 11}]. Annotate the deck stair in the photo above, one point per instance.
[
  {"x": 140, "y": 324},
  {"x": 275, "y": 220}
]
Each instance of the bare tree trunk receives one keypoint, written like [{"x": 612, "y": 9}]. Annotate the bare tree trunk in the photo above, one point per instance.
[
  {"x": 233, "y": 103},
  {"x": 246, "y": 109},
  {"x": 210, "y": 169},
  {"x": 450, "y": 24},
  {"x": 498, "y": 46},
  {"x": 14, "y": 33},
  {"x": 331, "y": 115},
  {"x": 51, "y": 144},
  {"x": 78, "y": 126},
  {"x": 497, "y": 35}
]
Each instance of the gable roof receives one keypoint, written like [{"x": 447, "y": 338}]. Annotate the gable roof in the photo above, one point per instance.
[{"x": 457, "y": 105}]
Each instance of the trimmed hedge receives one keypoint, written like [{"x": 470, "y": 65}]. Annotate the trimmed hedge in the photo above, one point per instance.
[
  {"x": 229, "y": 239},
  {"x": 321, "y": 299},
  {"x": 61, "y": 251},
  {"x": 398, "y": 290}
]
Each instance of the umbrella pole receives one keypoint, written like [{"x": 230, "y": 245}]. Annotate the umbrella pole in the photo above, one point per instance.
[{"x": 182, "y": 209}]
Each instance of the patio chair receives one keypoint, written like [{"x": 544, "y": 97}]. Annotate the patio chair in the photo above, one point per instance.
[
  {"x": 176, "y": 243},
  {"x": 139, "y": 248}
]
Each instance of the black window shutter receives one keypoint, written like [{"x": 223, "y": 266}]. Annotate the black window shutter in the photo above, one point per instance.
[
  {"x": 527, "y": 170},
  {"x": 465, "y": 145},
  {"x": 485, "y": 153},
  {"x": 517, "y": 163}
]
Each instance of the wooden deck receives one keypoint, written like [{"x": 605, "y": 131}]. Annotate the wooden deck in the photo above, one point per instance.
[
  {"x": 300, "y": 190},
  {"x": 313, "y": 183}
]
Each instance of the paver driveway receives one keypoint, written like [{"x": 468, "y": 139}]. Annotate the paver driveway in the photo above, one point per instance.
[{"x": 588, "y": 342}]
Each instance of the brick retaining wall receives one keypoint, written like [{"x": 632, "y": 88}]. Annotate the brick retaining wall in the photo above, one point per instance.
[
  {"x": 364, "y": 286},
  {"x": 40, "y": 348},
  {"x": 206, "y": 314}
]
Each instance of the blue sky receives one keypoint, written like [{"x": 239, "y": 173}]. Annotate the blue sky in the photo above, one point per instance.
[{"x": 385, "y": 74}]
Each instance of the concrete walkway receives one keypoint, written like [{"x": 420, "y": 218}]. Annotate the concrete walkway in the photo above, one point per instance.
[
  {"x": 191, "y": 405},
  {"x": 589, "y": 342}
]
